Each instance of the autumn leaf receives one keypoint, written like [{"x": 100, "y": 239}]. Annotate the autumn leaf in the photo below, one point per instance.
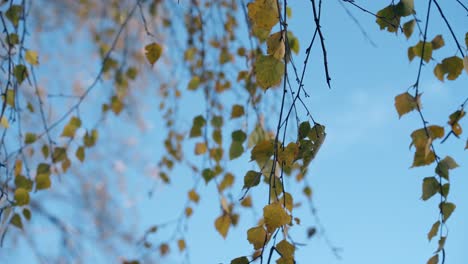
[
  {"x": 257, "y": 236},
  {"x": 433, "y": 232},
  {"x": 452, "y": 67},
  {"x": 405, "y": 103},
  {"x": 430, "y": 187},
  {"x": 285, "y": 248},
  {"x": 408, "y": 28},
  {"x": 21, "y": 196},
  {"x": 268, "y": 71},
  {"x": 447, "y": 209},
  {"x": 222, "y": 224},
  {"x": 275, "y": 216},
  {"x": 152, "y": 52}
]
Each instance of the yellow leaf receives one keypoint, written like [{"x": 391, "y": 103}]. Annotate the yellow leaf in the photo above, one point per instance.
[
  {"x": 200, "y": 148},
  {"x": 193, "y": 196},
  {"x": 80, "y": 153},
  {"x": 237, "y": 111},
  {"x": 405, "y": 103},
  {"x": 247, "y": 201},
  {"x": 153, "y": 51},
  {"x": 188, "y": 211},
  {"x": 268, "y": 71},
  {"x": 262, "y": 151},
  {"x": 287, "y": 201},
  {"x": 181, "y": 244},
  {"x": 21, "y": 196},
  {"x": 275, "y": 216},
  {"x": 275, "y": 45},
  {"x": 257, "y": 236},
  {"x": 32, "y": 57},
  {"x": 452, "y": 67},
  {"x": 4, "y": 122},
  {"x": 222, "y": 224},
  {"x": 227, "y": 182},
  {"x": 433, "y": 260},
  {"x": 42, "y": 181},
  {"x": 70, "y": 129},
  {"x": 438, "y": 42},
  {"x": 264, "y": 15},
  {"x": 285, "y": 248}
]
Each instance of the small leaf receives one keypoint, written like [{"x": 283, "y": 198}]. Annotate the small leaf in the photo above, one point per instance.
[
  {"x": 433, "y": 260},
  {"x": 388, "y": 19},
  {"x": 452, "y": 67},
  {"x": 181, "y": 245},
  {"x": 20, "y": 72},
  {"x": 251, "y": 179},
  {"x": 70, "y": 129},
  {"x": 116, "y": 105},
  {"x": 429, "y": 188},
  {"x": 445, "y": 190},
  {"x": 417, "y": 50},
  {"x": 237, "y": 111},
  {"x": 30, "y": 138},
  {"x": 247, "y": 201},
  {"x": 222, "y": 224},
  {"x": 441, "y": 244},
  {"x": 442, "y": 169},
  {"x": 227, "y": 182},
  {"x": 23, "y": 182},
  {"x": 200, "y": 148},
  {"x": 405, "y": 103},
  {"x": 275, "y": 216},
  {"x": 4, "y": 122},
  {"x": 59, "y": 154},
  {"x": 208, "y": 174},
  {"x": 32, "y": 57},
  {"x": 164, "y": 249},
  {"x": 447, "y": 210},
  {"x": 16, "y": 221},
  {"x": 240, "y": 260},
  {"x": 152, "y": 52},
  {"x": 27, "y": 213},
  {"x": 21, "y": 196},
  {"x": 235, "y": 150},
  {"x": 14, "y": 14},
  {"x": 438, "y": 42},
  {"x": 285, "y": 248},
  {"x": 188, "y": 211},
  {"x": 275, "y": 45},
  {"x": 262, "y": 151},
  {"x": 193, "y": 196},
  {"x": 257, "y": 236},
  {"x": 90, "y": 139},
  {"x": 43, "y": 181},
  {"x": 408, "y": 28},
  {"x": 304, "y": 129},
  {"x": 268, "y": 71},
  {"x": 238, "y": 136},
  {"x": 80, "y": 153},
  {"x": 434, "y": 230}
]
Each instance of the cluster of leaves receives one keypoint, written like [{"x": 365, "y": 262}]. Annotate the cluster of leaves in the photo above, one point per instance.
[{"x": 389, "y": 18}]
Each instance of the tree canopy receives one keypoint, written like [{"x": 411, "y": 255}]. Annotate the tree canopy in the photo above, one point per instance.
[{"x": 227, "y": 90}]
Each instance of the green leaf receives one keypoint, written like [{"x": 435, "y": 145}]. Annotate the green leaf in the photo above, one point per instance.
[
  {"x": 152, "y": 52},
  {"x": 10, "y": 97},
  {"x": 293, "y": 42},
  {"x": 405, "y": 8},
  {"x": 198, "y": 123},
  {"x": 447, "y": 210},
  {"x": 445, "y": 190},
  {"x": 288, "y": 155},
  {"x": 423, "y": 158},
  {"x": 194, "y": 83},
  {"x": 30, "y": 138},
  {"x": 388, "y": 19},
  {"x": 80, "y": 153},
  {"x": 21, "y": 196},
  {"x": 263, "y": 14},
  {"x": 417, "y": 50},
  {"x": 251, "y": 179},
  {"x": 208, "y": 174},
  {"x": 257, "y": 236},
  {"x": 434, "y": 230},
  {"x": 32, "y": 57},
  {"x": 27, "y": 213},
  {"x": 405, "y": 103},
  {"x": 268, "y": 71},
  {"x": 59, "y": 154},
  {"x": 235, "y": 150},
  {"x": 237, "y": 111},
  {"x": 217, "y": 121},
  {"x": 238, "y": 136},
  {"x": 16, "y": 221},
  {"x": 20, "y": 72},
  {"x": 240, "y": 260},
  {"x": 90, "y": 139},
  {"x": 23, "y": 182},
  {"x": 12, "y": 39},
  {"x": 408, "y": 28},
  {"x": 304, "y": 129},
  {"x": 438, "y": 42},
  {"x": 43, "y": 181},
  {"x": 262, "y": 151},
  {"x": 429, "y": 188},
  {"x": 442, "y": 169},
  {"x": 43, "y": 168},
  {"x": 275, "y": 216},
  {"x": 452, "y": 67},
  {"x": 70, "y": 129},
  {"x": 14, "y": 14},
  {"x": 222, "y": 224}
]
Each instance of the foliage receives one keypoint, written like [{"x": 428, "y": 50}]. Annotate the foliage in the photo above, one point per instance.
[{"x": 47, "y": 146}]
